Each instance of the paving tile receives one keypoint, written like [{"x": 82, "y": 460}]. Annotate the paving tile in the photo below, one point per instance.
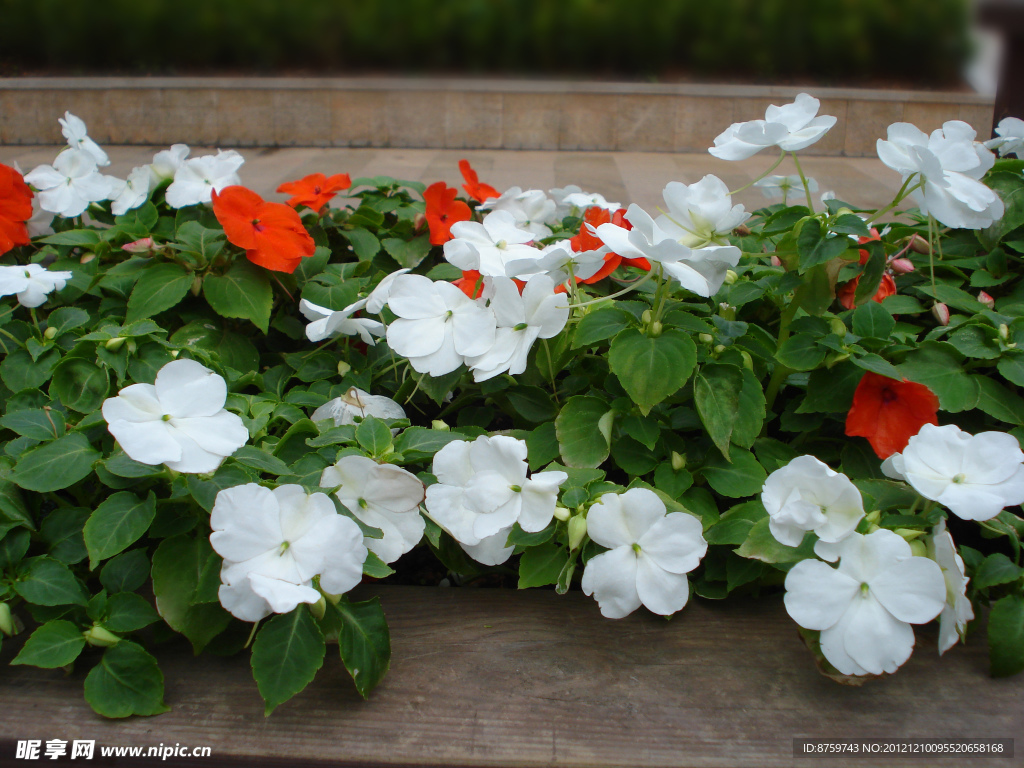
[
  {"x": 359, "y": 119},
  {"x": 587, "y": 122},
  {"x": 473, "y": 119},
  {"x": 302, "y": 118},
  {"x": 531, "y": 120},
  {"x": 415, "y": 118},
  {"x": 245, "y": 117},
  {"x": 645, "y": 123}
]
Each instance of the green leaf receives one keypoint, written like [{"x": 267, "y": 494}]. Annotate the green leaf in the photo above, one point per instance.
[
  {"x": 364, "y": 243},
  {"x": 54, "y": 644},
  {"x": 50, "y": 582},
  {"x": 419, "y": 443},
  {"x": 873, "y": 320},
  {"x": 851, "y": 224},
  {"x": 651, "y": 369},
  {"x": 1010, "y": 188},
  {"x": 185, "y": 573},
  {"x": 996, "y": 569},
  {"x": 80, "y": 384},
  {"x": 365, "y": 643},
  {"x": 376, "y": 568},
  {"x": 761, "y": 545},
  {"x": 116, "y": 524},
  {"x": 64, "y": 319},
  {"x": 740, "y": 476},
  {"x": 1006, "y": 636},
  {"x": 56, "y": 465},
  {"x": 373, "y": 435},
  {"x": 801, "y": 352},
  {"x": 998, "y": 401},
  {"x": 125, "y": 573},
  {"x": 871, "y": 276},
  {"x": 517, "y": 537},
  {"x": 1011, "y": 367},
  {"x": 540, "y": 565},
  {"x": 408, "y": 253},
  {"x": 975, "y": 341},
  {"x": 877, "y": 364},
  {"x": 599, "y": 325},
  {"x": 19, "y": 371},
  {"x": 580, "y": 440},
  {"x": 128, "y": 612},
  {"x": 82, "y": 237},
  {"x": 532, "y": 403},
  {"x": 244, "y": 291},
  {"x": 816, "y": 247},
  {"x": 161, "y": 287},
  {"x": 287, "y": 653},
  {"x": 126, "y": 682},
  {"x": 937, "y": 366},
  {"x": 751, "y": 412},
  {"x": 644, "y": 429},
  {"x": 41, "y": 424},
  {"x": 716, "y": 393},
  {"x": 121, "y": 465},
  {"x": 253, "y": 457}
]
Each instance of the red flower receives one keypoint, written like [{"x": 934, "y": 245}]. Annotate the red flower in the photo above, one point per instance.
[
  {"x": 315, "y": 191},
  {"x": 471, "y": 283},
  {"x": 15, "y": 209},
  {"x": 889, "y": 412},
  {"x": 479, "y": 192},
  {"x": 271, "y": 233},
  {"x": 886, "y": 288},
  {"x": 585, "y": 240},
  {"x": 443, "y": 210}
]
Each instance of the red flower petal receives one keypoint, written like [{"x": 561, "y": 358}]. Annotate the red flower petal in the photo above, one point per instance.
[{"x": 888, "y": 412}]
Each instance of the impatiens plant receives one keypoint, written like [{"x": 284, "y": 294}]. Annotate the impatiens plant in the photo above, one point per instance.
[{"x": 220, "y": 414}]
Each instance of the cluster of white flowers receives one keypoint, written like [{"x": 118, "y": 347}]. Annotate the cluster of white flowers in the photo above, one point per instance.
[
  {"x": 865, "y": 605},
  {"x": 483, "y": 490},
  {"x": 74, "y": 180}
]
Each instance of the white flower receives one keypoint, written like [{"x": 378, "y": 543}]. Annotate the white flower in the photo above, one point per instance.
[
  {"x": 975, "y": 477},
  {"x": 438, "y": 325},
  {"x": 864, "y": 608},
  {"x": 539, "y": 313},
  {"x": 700, "y": 270},
  {"x": 649, "y": 554},
  {"x": 378, "y": 297},
  {"x": 488, "y": 247},
  {"x": 1011, "y": 137},
  {"x": 556, "y": 260},
  {"x": 785, "y": 187},
  {"x": 789, "y": 127},
  {"x": 532, "y": 210},
  {"x": 564, "y": 208},
  {"x": 32, "y": 282},
  {"x": 957, "y": 611},
  {"x": 583, "y": 200},
  {"x": 70, "y": 184},
  {"x": 130, "y": 193},
  {"x": 328, "y": 322},
  {"x": 491, "y": 550},
  {"x": 382, "y": 496},
  {"x": 805, "y": 495},
  {"x": 167, "y": 162},
  {"x": 274, "y": 543},
  {"x": 949, "y": 164},
  {"x": 77, "y": 134},
  {"x": 197, "y": 179},
  {"x": 483, "y": 489},
  {"x": 356, "y": 403},
  {"x": 179, "y": 421},
  {"x": 700, "y": 214}
]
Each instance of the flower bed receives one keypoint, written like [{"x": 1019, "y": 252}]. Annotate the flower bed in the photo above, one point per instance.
[{"x": 546, "y": 385}]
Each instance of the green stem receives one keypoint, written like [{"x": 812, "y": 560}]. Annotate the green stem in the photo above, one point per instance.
[
  {"x": 931, "y": 253},
  {"x": 776, "y": 164},
  {"x": 551, "y": 371},
  {"x": 781, "y": 372},
  {"x": 900, "y": 197},
  {"x": 803, "y": 180},
  {"x": 616, "y": 295}
]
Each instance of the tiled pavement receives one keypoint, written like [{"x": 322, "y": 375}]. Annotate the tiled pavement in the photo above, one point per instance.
[{"x": 627, "y": 177}]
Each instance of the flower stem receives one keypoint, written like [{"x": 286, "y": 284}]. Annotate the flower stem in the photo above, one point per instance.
[
  {"x": 776, "y": 164},
  {"x": 803, "y": 180},
  {"x": 900, "y": 197},
  {"x": 616, "y": 295}
]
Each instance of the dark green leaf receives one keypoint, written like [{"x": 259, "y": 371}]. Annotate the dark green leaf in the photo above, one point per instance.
[
  {"x": 580, "y": 440},
  {"x": 873, "y": 320},
  {"x": 716, "y": 393},
  {"x": 161, "y": 287},
  {"x": 253, "y": 457},
  {"x": 996, "y": 569},
  {"x": 244, "y": 291},
  {"x": 55, "y": 644},
  {"x": 365, "y": 643},
  {"x": 56, "y": 465},
  {"x": 599, "y": 325},
  {"x": 651, "y": 369},
  {"x": 50, "y": 582},
  {"x": 118, "y": 522},
  {"x": 801, "y": 352},
  {"x": 126, "y": 682},
  {"x": 79, "y": 384},
  {"x": 1006, "y": 636},
  {"x": 741, "y": 476}
]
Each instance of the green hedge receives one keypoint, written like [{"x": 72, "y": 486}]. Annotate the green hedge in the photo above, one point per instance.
[{"x": 841, "y": 41}]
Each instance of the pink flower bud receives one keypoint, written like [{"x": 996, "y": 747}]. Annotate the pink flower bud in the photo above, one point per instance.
[
  {"x": 941, "y": 313},
  {"x": 987, "y": 300},
  {"x": 919, "y": 245},
  {"x": 145, "y": 245},
  {"x": 901, "y": 266},
  {"x": 776, "y": 262}
]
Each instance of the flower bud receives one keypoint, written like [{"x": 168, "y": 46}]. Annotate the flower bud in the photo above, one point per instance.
[
  {"x": 332, "y": 599},
  {"x": 730, "y": 277},
  {"x": 919, "y": 245},
  {"x": 645, "y": 318},
  {"x": 50, "y": 333},
  {"x": 838, "y": 327},
  {"x": 561, "y": 513},
  {"x": 741, "y": 231},
  {"x": 197, "y": 285},
  {"x": 440, "y": 426},
  {"x": 873, "y": 516},
  {"x": 726, "y": 311},
  {"x": 909, "y": 534},
  {"x": 6, "y": 620},
  {"x": 655, "y": 330},
  {"x": 776, "y": 261},
  {"x": 678, "y": 461},
  {"x": 419, "y": 221},
  {"x": 901, "y": 266},
  {"x": 319, "y": 608},
  {"x": 145, "y": 245},
  {"x": 577, "y": 530},
  {"x": 836, "y": 357},
  {"x": 706, "y": 338},
  {"x": 132, "y": 346},
  {"x": 719, "y": 349},
  {"x": 100, "y": 637},
  {"x": 748, "y": 361},
  {"x": 941, "y": 313},
  {"x": 987, "y": 300},
  {"x": 1004, "y": 332},
  {"x": 114, "y": 344},
  {"x": 174, "y": 353},
  {"x": 844, "y": 211},
  {"x": 918, "y": 549},
  {"x": 87, "y": 257},
  {"x": 343, "y": 368}
]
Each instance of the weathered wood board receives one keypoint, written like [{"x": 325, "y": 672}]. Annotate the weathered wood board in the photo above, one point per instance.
[{"x": 487, "y": 677}]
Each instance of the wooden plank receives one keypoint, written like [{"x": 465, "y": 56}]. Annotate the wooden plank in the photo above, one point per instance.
[{"x": 487, "y": 677}]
